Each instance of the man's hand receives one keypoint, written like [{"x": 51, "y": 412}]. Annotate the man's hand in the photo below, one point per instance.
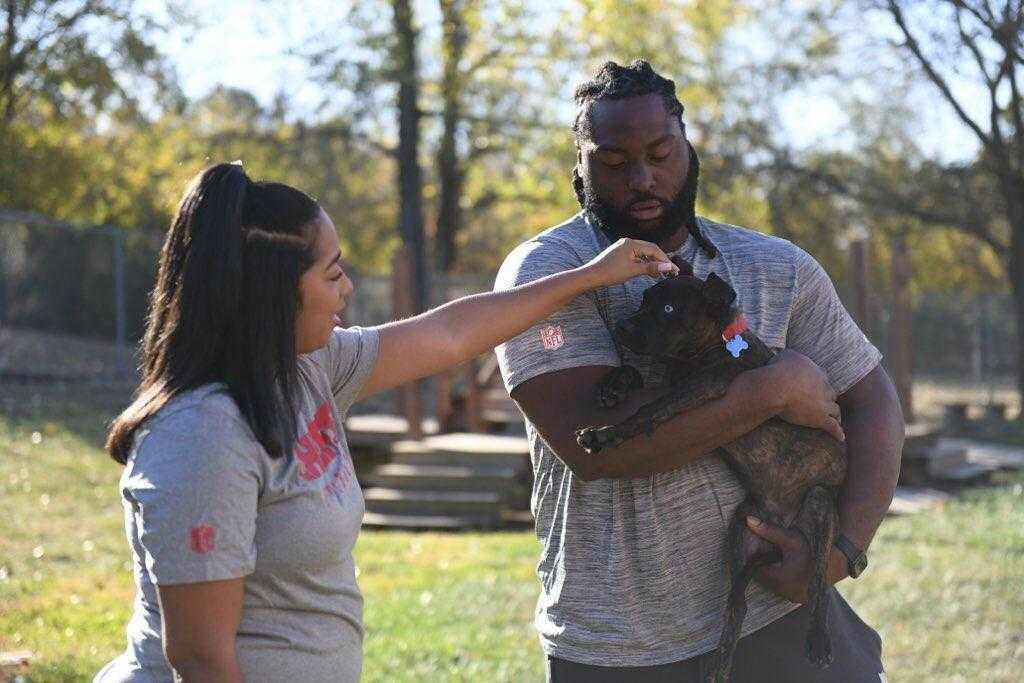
[
  {"x": 791, "y": 577},
  {"x": 802, "y": 393}
]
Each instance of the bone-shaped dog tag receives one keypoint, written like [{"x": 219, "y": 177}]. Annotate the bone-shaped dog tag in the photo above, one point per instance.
[{"x": 736, "y": 346}]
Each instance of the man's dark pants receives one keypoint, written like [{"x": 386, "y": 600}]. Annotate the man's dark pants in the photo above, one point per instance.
[{"x": 773, "y": 654}]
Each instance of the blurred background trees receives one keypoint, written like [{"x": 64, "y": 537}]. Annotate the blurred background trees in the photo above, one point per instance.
[{"x": 442, "y": 127}]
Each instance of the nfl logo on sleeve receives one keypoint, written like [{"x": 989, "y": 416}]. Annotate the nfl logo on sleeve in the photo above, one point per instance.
[
  {"x": 203, "y": 539},
  {"x": 551, "y": 337}
]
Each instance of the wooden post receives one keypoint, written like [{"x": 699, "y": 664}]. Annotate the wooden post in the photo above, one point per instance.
[
  {"x": 859, "y": 282},
  {"x": 403, "y": 304},
  {"x": 120, "y": 317},
  {"x": 901, "y": 359}
]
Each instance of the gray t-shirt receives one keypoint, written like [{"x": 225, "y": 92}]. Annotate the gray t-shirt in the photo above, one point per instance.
[
  {"x": 203, "y": 501},
  {"x": 633, "y": 571}
]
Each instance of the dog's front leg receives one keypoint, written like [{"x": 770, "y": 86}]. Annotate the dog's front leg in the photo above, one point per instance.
[
  {"x": 616, "y": 386},
  {"x": 651, "y": 415}
]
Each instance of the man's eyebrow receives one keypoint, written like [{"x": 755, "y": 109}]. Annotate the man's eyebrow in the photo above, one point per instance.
[
  {"x": 610, "y": 148},
  {"x": 337, "y": 257}
]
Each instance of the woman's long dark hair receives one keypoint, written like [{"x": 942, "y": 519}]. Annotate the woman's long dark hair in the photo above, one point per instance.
[{"x": 225, "y": 304}]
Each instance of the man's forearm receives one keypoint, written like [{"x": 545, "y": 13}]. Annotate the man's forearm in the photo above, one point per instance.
[
  {"x": 692, "y": 434},
  {"x": 874, "y": 440}
]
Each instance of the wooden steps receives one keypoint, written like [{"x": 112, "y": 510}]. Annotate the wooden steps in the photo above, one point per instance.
[
  {"x": 463, "y": 449},
  {"x": 446, "y": 481},
  {"x": 426, "y": 522},
  {"x": 368, "y": 431},
  {"x": 442, "y": 477}
]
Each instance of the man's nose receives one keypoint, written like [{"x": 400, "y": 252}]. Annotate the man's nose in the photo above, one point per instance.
[{"x": 641, "y": 178}]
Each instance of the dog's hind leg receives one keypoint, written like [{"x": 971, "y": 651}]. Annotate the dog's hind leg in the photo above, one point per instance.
[
  {"x": 817, "y": 520},
  {"x": 741, "y": 571}
]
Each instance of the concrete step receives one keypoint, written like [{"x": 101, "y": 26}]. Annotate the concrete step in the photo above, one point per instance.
[
  {"x": 920, "y": 435},
  {"x": 379, "y": 430},
  {"x": 907, "y": 500},
  {"x": 999, "y": 456},
  {"x": 443, "y": 477},
  {"x": 375, "y": 519},
  {"x": 444, "y": 503},
  {"x": 463, "y": 449},
  {"x": 509, "y": 415}
]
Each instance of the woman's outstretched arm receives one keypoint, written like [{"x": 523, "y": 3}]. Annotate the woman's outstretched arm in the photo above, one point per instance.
[{"x": 463, "y": 329}]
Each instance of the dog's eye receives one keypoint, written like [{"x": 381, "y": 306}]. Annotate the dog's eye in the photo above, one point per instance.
[{"x": 668, "y": 308}]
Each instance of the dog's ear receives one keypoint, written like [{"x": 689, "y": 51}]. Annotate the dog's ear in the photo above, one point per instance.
[
  {"x": 684, "y": 267},
  {"x": 718, "y": 295}
]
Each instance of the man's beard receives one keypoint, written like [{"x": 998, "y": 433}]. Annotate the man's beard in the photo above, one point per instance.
[{"x": 680, "y": 212}]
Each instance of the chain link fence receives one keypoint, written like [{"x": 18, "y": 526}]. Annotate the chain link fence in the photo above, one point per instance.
[{"x": 73, "y": 301}]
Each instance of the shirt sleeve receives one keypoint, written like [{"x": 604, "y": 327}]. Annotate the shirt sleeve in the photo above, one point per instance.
[
  {"x": 574, "y": 336},
  {"x": 350, "y": 356},
  {"x": 194, "y": 487},
  {"x": 821, "y": 328}
]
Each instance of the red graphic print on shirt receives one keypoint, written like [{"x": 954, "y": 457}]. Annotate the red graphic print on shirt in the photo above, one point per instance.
[
  {"x": 203, "y": 538},
  {"x": 318, "y": 447}
]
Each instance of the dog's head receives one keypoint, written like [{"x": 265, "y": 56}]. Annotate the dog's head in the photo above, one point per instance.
[{"x": 679, "y": 316}]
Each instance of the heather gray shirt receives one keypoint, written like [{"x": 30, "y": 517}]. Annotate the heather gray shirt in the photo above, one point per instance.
[
  {"x": 633, "y": 571},
  {"x": 203, "y": 501}
]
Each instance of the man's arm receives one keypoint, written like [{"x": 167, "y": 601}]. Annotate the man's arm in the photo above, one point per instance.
[
  {"x": 560, "y": 402},
  {"x": 875, "y": 430},
  {"x": 873, "y": 421}
]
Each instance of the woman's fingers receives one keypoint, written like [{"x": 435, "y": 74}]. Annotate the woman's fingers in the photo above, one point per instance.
[{"x": 651, "y": 254}]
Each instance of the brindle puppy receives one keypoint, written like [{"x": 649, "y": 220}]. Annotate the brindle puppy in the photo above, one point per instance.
[{"x": 791, "y": 473}]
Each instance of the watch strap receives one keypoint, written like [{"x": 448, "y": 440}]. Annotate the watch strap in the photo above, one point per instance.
[{"x": 856, "y": 559}]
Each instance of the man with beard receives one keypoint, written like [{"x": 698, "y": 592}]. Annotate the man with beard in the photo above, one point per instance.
[{"x": 633, "y": 568}]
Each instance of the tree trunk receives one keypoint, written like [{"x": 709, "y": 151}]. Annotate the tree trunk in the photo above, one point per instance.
[
  {"x": 450, "y": 167},
  {"x": 410, "y": 176},
  {"x": 901, "y": 357},
  {"x": 1016, "y": 270}
]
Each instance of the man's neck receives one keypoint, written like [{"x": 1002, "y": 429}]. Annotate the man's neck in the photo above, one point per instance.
[{"x": 676, "y": 240}]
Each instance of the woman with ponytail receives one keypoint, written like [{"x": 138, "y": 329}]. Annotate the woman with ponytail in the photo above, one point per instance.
[{"x": 241, "y": 505}]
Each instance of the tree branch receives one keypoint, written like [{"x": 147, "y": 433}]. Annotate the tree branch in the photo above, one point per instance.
[
  {"x": 988, "y": 21},
  {"x": 892, "y": 203},
  {"x": 933, "y": 75},
  {"x": 979, "y": 59}
]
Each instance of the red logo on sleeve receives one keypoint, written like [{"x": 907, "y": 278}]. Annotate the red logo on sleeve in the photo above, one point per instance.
[
  {"x": 551, "y": 337},
  {"x": 203, "y": 538}
]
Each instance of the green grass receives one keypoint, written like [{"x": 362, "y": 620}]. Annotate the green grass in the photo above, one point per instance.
[{"x": 945, "y": 588}]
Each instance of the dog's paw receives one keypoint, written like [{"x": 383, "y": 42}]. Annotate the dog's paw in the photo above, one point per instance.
[
  {"x": 593, "y": 439},
  {"x": 608, "y": 397},
  {"x": 819, "y": 648}
]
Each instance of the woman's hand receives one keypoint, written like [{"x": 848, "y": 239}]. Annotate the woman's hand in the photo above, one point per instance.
[{"x": 628, "y": 258}]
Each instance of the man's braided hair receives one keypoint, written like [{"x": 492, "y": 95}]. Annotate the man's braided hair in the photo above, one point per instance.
[{"x": 616, "y": 82}]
